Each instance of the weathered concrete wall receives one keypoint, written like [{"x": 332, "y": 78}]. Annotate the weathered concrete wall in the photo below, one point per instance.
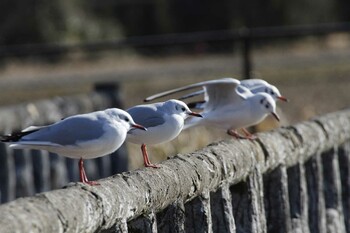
[{"x": 289, "y": 180}]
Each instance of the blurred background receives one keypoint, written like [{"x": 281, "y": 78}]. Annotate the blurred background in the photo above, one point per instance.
[{"x": 63, "y": 47}]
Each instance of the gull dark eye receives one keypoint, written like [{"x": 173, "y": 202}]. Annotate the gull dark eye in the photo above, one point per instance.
[
  {"x": 266, "y": 106},
  {"x": 126, "y": 119},
  {"x": 183, "y": 109}
]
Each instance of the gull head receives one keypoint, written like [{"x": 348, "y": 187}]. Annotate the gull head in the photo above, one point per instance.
[
  {"x": 275, "y": 93},
  {"x": 180, "y": 108},
  {"x": 124, "y": 119},
  {"x": 267, "y": 104}
]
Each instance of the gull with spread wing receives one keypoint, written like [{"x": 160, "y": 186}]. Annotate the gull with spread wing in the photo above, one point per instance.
[
  {"x": 226, "y": 107},
  {"x": 254, "y": 85}
]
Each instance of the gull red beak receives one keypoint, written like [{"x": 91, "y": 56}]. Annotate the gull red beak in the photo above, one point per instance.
[
  {"x": 275, "y": 116},
  {"x": 283, "y": 98},
  {"x": 139, "y": 127},
  {"x": 195, "y": 114}
]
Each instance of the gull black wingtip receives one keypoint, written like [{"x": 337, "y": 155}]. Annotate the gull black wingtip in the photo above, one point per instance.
[{"x": 16, "y": 136}]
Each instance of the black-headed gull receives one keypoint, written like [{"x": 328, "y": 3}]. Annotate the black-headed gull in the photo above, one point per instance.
[
  {"x": 83, "y": 136},
  {"x": 227, "y": 107},
  {"x": 254, "y": 85},
  {"x": 259, "y": 85},
  {"x": 164, "y": 122}
]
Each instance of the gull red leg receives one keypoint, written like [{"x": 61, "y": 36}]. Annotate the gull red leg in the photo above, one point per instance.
[
  {"x": 235, "y": 134},
  {"x": 83, "y": 177},
  {"x": 248, "y": 134},
  {"x": 146, "y": 161}
]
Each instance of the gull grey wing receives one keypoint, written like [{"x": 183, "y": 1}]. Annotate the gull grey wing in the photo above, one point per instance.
[
  {"x": 222, "y": 92},
  {"x": 147, "y": 116},
  {"x": 188, "y": 87},
  {"x": 69, "y": 131},
  {"x": 253, "y": 83},
  {"x": 192, "y": 94}
]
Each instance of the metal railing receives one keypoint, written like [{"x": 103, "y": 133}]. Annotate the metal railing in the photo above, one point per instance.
[
  {"x": 293, "y": 179},
  {"x": 246, "y": 36}
]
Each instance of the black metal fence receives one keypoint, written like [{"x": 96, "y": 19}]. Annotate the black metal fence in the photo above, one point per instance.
[{"x": 245, "y": 36}]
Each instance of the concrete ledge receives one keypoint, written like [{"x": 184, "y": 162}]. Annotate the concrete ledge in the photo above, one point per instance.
[{"x": 123, "y": 197}]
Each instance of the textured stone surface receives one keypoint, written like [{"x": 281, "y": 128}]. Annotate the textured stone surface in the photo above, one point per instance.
[{"x": 123, "y": 197}]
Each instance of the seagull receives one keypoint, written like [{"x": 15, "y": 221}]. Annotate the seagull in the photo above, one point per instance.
[
  {"x": 259, "y": 85},
  {"x": 254, "y": 85},
  {"x": 84, "y": 136},
  {"x": 228, "y": 108},
  {"x": 164, "y": 122}
]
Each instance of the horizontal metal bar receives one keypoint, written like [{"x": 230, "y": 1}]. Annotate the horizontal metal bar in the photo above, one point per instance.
[{"x": 175, "y": 39}]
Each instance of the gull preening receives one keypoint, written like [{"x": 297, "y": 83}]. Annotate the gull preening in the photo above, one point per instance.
[
  {"x": 228, "y": 105},
  {"x": 83, "y": 136},
  {"x": 164, "y": 122}
]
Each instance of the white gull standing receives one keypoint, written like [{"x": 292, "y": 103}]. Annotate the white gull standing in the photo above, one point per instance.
[
  {"x": 83, "y": 136},
  {"x": 164, "y": 122},
  {"x": 228, "y": 108}
]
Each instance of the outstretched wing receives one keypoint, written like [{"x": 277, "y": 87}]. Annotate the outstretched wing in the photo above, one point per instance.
[
  {"x": 253, "y": 83},
  {"x": 192, "y": 86},
  {"x": 192, "y": 94},
  {"x": 221, "y": 92}
]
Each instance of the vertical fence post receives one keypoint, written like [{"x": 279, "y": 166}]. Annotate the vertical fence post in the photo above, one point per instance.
[
  {"x": 221, "y": 211},
  {"x": 333, "y": 192},
  {"x": 24, "y": 173},
  {"x": 246, "y": 56},
  {"x": 248, "y": 204},
  {"x": 277, "y": 200},
  {"x": 198, "y": 214},
  {"x": 41, "y": 170},
  {"x": 172, "y": 218},
  {"x": 298, "y": 199},
  {"x": 344, "y": 164},
  {"x": 7, "y": 174},
  {"x": 58, "y": 171},
  {"x": 146, "y": 223},
  {"x": 316, "y": 206},
  {"x": 117, "y": 161}
]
